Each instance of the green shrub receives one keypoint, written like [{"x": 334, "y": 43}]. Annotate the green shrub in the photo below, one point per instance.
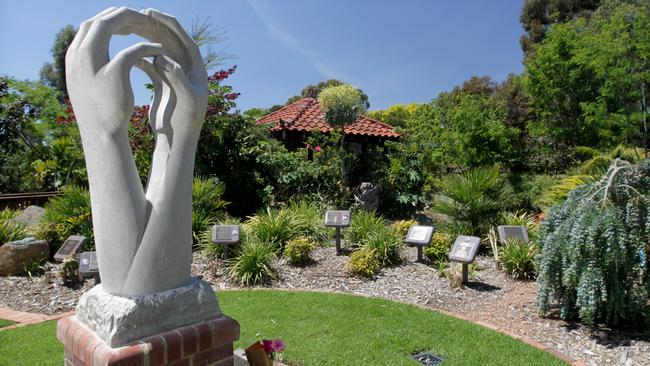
[
  {"x": 311, "y": 216},
  {"x": 275, "y": 227},
  {"x": 594, "y": 250},
  {"x": 252, "y": 266},
  {"x": 386, "y": 246},
  {"x": 362, "y": 224},
  {"x": 65, "y": 215},
  {"x": 401, "y": 227},
  {"x": 207, "y": 205},
  {"x": 298, "y": 250},
  {"x": 518, "y": 258},
  {"x": 475, "y": 198},
  {"x": 364, "y": 262},
  {"x": 438, "y": 250},
  {"x": 10, "y": 230}
]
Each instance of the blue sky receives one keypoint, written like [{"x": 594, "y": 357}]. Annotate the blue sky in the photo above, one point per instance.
[{"x": 396, "y": 51}]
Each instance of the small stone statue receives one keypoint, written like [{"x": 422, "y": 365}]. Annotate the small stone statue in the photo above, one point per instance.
[{"x": 367, "y": 196}]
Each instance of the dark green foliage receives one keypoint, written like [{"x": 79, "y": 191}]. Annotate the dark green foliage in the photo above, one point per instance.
[
  {"x": 537, "y": 16},
  {"x": 476, "y": 198},
  {"x": 252, "y": 266},
  {"x": 362, "y": 224},
  {"x": 276, "y": 227},
  {"x": 595, "y": 252},
  {"x": 27, "y": 111},
  {"x": 518, "y": 258},
  {"x": 228, "y": 149},
  {"x": 207, "y": 205},
  {"x": 53, "y": 73},
  {"x": 65, "y": 215}
]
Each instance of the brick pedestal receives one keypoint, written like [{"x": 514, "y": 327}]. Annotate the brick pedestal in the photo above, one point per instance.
[{"x": 205, "y": 343}]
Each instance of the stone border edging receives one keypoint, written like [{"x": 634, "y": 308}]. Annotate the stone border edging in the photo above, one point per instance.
[
  {"x": 22, "y": 318},
  {"x": 531, "y": 342}
]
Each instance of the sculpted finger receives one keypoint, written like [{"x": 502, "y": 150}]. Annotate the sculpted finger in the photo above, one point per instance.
[
  {"x": 125, "y": 59},
  {"x": 120, "y": 21},
  {"x": 83, "y": 28},
  {"x": 173, "y": 73},
  {"x": 148, "y": 69},
  {"x": 194, "y": 62}
]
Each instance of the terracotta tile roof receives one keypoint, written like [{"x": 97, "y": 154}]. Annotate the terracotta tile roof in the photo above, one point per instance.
[{"x": 306, "y": 115}]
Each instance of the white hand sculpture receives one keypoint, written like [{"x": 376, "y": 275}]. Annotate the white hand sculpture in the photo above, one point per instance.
[{"x": 143, "y": 240}]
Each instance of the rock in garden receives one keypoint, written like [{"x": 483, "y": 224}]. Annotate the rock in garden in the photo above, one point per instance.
[
  {"x": 15, "y": 256},
  {"x": 31, "y": 216}
]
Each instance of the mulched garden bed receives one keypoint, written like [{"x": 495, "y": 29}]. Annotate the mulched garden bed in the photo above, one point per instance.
[{"x": 491, "y": 297}]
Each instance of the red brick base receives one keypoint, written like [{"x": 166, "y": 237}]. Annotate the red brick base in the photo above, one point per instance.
[{"x": 205, "y": 343}]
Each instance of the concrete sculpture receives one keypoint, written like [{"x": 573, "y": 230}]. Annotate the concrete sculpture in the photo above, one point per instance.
[{"x": 142, "y": 235}]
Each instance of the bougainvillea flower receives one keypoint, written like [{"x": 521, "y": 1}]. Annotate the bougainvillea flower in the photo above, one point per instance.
[
  {"x": 277, "y": 345},
  {"x": 317, "y": 148},
  {"x": 268, "y": 346}
]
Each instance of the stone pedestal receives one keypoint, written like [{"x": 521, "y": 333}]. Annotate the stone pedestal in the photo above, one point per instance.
[{"x": 204, "y": 343}]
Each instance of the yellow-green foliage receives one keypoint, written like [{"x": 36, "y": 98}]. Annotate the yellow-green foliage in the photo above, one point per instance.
[
  {"x": 439, "y": 247},
  {"x": 10, "y": 230},
  {"x": 364, "y": 262},
  {"x": 298, "y": 250},
  {"x": 401, "y": 227}
]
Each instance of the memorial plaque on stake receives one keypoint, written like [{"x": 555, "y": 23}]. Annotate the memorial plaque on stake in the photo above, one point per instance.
[
  {"x": 88, "y": 263},
  {"x": 337, "y": 218},
  {"x": 70, "y": 247},
  {"x": 225, "y": 234},
  {"x": 419, "y": 236},
  {"x": 88, "y": 266},
  {"x": 507, "y": 232},
  {"x": 464, "y": 249}
]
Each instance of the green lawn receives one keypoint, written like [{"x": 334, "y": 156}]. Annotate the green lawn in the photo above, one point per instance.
[
  {"x": 326, "y": 329},
  {"x": 5, "y": 323}
]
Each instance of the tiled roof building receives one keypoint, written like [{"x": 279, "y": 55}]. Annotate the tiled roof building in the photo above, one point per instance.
[{"x": 293, "y": 122}]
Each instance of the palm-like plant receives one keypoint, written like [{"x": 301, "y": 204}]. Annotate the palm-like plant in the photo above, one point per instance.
[{"x": 475, "y": 198}]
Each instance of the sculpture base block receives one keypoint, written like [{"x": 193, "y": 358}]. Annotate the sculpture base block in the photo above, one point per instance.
[
  {"x": 204, "y": 343},
  {"x": 119, "y": 320}
]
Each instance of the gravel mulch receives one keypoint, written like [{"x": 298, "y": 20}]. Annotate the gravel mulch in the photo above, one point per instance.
[{"x": 491, "y": 297}]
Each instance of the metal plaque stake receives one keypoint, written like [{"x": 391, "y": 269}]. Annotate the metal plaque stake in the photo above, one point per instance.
[{"x": 337, "y": 220}]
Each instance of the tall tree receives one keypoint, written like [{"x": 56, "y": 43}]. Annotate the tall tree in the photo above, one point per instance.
[
  {"x": 313, "y": 91},
  {"x": 537, "y": 16},
  {"x": 588, "y": 78},
  {"x": 342, "y": 105},
  {"x": 53, "y": 73}
]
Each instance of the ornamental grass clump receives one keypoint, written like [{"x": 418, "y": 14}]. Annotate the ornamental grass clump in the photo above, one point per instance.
[
  {"x": 9, "y": 229},
  {"x": 518, "y": 258},
  {"x": 275, "y": 227},
  {"x": 252, "y": 266},
  {"x": 595, "y": 250},
  {"x": 65, "y": 215},
  {"x": 362, "y": 224}
]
